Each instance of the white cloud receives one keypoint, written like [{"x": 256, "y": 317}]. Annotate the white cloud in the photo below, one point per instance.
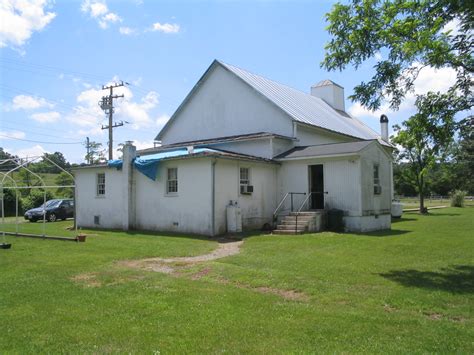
[
  {"x": 20, "y": 18},
  {"x": 162, "y": 119},
  {"x": 138, "y": 113},
  {"x": 143, "y": 144},
  {"x": 26, "y": 102},
  {"x": 88, "y": 115},
  {"x": 34, "y": 151},
  {"x": 12, "y": 135},
  {"x": 46, "y": 117},
  {"x": 378, "y": 56},
  {"x": 429, "y": 79},
  {"x": 452, "y": 27},
  {"x": 99, "y": 11},
  {"x": 127, "y": 31},
  {"x": 166, "y": 27}
]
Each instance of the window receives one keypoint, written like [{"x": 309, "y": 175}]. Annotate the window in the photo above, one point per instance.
[
  {"x": 101, "y": 184},
  {"x": 244, "y": 176},
  {"x": 172, "y": 181},
  {"x": 377, "y": 188}
]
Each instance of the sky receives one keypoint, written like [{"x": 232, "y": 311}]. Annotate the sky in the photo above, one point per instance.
[{"x": 56, "y": 55}]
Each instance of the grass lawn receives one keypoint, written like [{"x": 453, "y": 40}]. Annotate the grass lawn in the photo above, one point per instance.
[
  {"x": 410, "y": 289},
  {"x": 413, "y": 202}
]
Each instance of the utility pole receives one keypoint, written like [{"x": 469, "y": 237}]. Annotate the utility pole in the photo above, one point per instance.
[
  {"x": 107, "y": 105},
  {"x": 88, "y": 146}
]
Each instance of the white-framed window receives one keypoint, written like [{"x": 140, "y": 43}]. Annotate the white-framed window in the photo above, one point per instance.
[
  {"x": 377, "y": 188},
  {"x": 172, "y": 181},
  {"x": 244, "y": 176},
  {"x": 101, "y": 184}
]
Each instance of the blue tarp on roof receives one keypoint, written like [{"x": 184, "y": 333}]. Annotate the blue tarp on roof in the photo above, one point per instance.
[
  {"x": 148, "y": 164},
  {"x": 116, "y": 163}
]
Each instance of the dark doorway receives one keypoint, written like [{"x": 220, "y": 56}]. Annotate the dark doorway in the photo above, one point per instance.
[{"x": 316, "y": 186}]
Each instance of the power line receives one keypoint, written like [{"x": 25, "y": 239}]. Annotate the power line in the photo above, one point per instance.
[
  {"x": 42, "y": 142},
  {"x": 33, "y": 132}
]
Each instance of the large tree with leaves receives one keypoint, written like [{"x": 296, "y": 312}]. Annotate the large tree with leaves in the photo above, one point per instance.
[
  {"x": 411, "y": 35},
  {"x": 425, "y": 139}
]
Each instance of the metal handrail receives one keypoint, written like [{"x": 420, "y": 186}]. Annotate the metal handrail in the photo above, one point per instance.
[
  {"x": 280, "y": 204},
  {"x": 299, "y": 210},
  {"x": 275, "y": 213},
  {"x": 301, "y": 206}
]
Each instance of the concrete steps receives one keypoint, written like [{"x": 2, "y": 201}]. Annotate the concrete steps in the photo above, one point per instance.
[{"x": 306, "y": 221}]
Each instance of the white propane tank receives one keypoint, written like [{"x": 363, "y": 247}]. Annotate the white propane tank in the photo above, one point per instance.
[
  {"x": 397, "y": 209},
  {"x": 234, "y": 218}
]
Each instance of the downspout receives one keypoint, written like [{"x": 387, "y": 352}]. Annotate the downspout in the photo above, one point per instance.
[{"x": 213, "y": 197}]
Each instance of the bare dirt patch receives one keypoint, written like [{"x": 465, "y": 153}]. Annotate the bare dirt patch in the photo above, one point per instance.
[
  {"x": 176, "y": 266},
  {"x": 286, "y": 294},
  {"x": 172, "y": 265},
  {"x": 87, "y": 280}
]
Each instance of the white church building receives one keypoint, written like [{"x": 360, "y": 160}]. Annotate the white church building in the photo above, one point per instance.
[{"x": 243, "y": 140}]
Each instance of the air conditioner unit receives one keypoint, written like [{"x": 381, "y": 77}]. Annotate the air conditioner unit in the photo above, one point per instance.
[
  {"x": 377, "y": 189},
  {"x": 246, "y": 189}
]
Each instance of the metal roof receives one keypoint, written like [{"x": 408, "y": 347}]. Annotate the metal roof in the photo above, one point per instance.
[
  {"x": 217, "y": 140},
  {"x": 326, "y": 83},
  {"x": 303, "y": 107},
  {"x": 324, "y": 150}
]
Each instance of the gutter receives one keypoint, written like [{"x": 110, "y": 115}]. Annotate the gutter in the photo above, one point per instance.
[{"x": 213, "y": 197}]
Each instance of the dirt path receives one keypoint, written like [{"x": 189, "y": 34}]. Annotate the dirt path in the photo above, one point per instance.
[
  {"x": 170, "y": 265},
  {"x": 177, "y": 266}
]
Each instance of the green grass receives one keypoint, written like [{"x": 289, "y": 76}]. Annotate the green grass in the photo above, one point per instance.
[
  {"x": 413, "y": 202},
  {"x": 406, "y": 290}
]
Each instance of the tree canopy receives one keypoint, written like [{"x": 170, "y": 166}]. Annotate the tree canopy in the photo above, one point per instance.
[{"x": 411, "y": 35}]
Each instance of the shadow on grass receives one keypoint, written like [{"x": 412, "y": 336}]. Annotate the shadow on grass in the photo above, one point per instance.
[
  {"x": 220, "y": 238},
  {"x": 383, "y": 233},
  {"x": 456, "y": 279},
  {"x": 402, "y": 219}
]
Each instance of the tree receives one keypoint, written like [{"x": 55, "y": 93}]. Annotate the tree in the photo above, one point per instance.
[
  {"x": 464, "y": 156},
  {"x": 411, "y": 35},
  {"x": 47, "y": 164},
  {"x": 96, "y": 153},
  {"x": 64, "y": 179},
  {"x": 426, "y": 139}
]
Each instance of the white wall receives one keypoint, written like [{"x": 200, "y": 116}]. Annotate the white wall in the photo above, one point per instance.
[
  {"x": 225, "y": 106},
  {"x": 314, "y": 136},
  {"x": 257, "y": 208},
  {"x": 341, "y": 181},
  {"x": 376, "y": 204},
  {"x": 258, "y": 147},
  {"x": 110, "y": 208},
  {"x": 189, "y": 211}
]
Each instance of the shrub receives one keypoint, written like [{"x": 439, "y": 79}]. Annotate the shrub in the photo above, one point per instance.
[
  {"x": 36, "y": 199},
  {"x": 10, "y": 203},
  {"x": 457, "y": 198}
]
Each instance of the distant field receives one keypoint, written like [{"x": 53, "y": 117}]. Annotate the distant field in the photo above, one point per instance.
[{"x": 413, "y": 202}]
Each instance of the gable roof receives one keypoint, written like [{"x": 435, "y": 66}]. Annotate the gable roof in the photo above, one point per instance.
[
  {"x": 331, "y": 150},
  {"x": 299, "y": 106},
  {"x": 217, "y": 140},
  {"x": 324, "y": 150}
]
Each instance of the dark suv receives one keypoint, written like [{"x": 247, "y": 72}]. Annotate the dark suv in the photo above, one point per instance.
[{"x": 54, "y": 209}]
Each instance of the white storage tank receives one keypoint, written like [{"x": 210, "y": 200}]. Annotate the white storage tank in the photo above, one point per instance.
[
  {"x": 397, "y": 209},
  {"x": 234, "y": 217}
]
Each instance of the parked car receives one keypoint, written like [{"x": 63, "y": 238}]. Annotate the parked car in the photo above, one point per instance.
[{"x": 54, "y": 209}]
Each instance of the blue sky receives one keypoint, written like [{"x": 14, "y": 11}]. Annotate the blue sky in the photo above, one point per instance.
[{"x": 56, "y": 55}]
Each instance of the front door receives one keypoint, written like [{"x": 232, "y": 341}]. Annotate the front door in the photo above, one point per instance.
[{"x": 316, "y": 186}]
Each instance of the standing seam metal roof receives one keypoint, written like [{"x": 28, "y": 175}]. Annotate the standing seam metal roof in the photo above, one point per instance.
[{"x": 303, "y": 107}]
